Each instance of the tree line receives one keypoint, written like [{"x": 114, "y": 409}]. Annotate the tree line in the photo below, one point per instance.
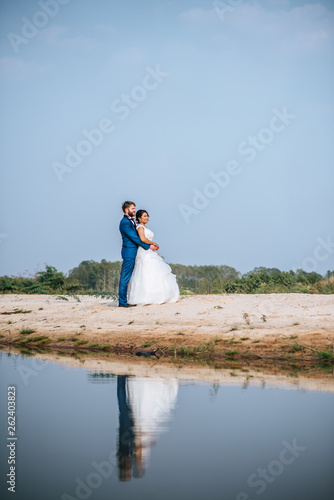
[
  {"x": 101, "y": 278},
  {"x": 104, "y": 277}
]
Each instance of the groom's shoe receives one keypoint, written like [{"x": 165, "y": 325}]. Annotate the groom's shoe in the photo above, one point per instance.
[{"x": 128, "y": 305}]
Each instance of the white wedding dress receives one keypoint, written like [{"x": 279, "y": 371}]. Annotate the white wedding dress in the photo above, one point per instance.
[
  {"x": 152, "y": 402},
  {"x": 152, "y": 281}
]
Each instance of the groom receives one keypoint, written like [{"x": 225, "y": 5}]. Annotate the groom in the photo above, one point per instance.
[{"x": 130, "y": 243}]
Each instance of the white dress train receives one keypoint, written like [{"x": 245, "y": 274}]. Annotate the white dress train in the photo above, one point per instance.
[{"x": 152, "y": 281}]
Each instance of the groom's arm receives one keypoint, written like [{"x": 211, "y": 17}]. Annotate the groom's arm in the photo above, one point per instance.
[{"x": 132, "y": 235}]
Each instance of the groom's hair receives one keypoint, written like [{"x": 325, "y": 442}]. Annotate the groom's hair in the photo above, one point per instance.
[{"x": 127, "y": 204}]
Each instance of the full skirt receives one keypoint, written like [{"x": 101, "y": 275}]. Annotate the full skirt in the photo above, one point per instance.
[{"x": 152, "y": 281}]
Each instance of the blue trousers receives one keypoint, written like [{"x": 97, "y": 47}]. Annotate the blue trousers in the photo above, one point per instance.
[
  {"x": 126, "y": 430},
  {"x": 126, "y": 271}
]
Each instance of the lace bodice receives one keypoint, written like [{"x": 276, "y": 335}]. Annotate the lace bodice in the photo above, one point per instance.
[{"x": 147, "y": 232}]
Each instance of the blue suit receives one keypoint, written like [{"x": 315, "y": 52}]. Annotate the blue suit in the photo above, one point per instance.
[{"x": 130, "y": 243}]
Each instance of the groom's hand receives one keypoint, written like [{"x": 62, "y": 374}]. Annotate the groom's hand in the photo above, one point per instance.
[
  {"x": 153, "y": 248},
  {"x": 156, "y": 245}
]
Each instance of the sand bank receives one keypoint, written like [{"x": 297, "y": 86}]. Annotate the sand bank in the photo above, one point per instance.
[{"x": 261, "y": 324}]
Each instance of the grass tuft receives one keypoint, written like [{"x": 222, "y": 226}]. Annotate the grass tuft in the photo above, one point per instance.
[
  {"x": 326, "y": 356},
  {"x": 146, "y": 344},
  {"x": 27, "y": 331},
  {"x": 38, "y": 339},
  {"x": 17, "y": 311},
  {"x": 246, "y": 318},
  {"x": 296, "y": 348}
]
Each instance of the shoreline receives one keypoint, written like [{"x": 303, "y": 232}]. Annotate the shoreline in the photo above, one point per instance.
[
  {"x": 276, "y": 327},
  {"x": 101, "y": 366}
]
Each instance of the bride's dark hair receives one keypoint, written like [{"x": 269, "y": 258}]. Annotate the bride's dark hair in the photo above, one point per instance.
[{"x": 139, "y": 213}]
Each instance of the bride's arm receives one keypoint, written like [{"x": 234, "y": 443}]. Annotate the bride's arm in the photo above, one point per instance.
[
  {"x": 141, "y": 231},
  {"x": 141, "y": 234}
]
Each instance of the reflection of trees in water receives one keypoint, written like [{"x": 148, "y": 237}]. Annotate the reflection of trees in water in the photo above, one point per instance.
[
  {"x": 101, "y": 378},
  {"x": 145, "y": 405}
]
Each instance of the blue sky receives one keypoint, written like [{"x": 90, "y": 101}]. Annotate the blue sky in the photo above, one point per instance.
[{"x": 216, "y": 117}]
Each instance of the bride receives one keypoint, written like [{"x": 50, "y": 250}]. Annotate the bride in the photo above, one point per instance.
[{"x": 152, "y": 281}]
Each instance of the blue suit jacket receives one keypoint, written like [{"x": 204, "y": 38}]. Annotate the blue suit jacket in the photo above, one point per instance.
[{"x": 130, "y": 238}]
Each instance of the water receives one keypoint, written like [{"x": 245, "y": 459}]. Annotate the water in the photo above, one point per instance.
[{"x": 86, "y": 436}]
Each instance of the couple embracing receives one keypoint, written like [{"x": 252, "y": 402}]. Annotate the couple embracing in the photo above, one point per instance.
[{"x": 145, "y": 277}]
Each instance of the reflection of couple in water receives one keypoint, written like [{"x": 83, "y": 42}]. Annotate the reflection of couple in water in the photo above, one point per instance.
[{"x": 144, "y": 405}]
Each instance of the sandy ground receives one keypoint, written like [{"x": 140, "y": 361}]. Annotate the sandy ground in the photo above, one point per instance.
[
  {"x": 194, "y": 319},
  {"x": 208, "y": 315}
]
